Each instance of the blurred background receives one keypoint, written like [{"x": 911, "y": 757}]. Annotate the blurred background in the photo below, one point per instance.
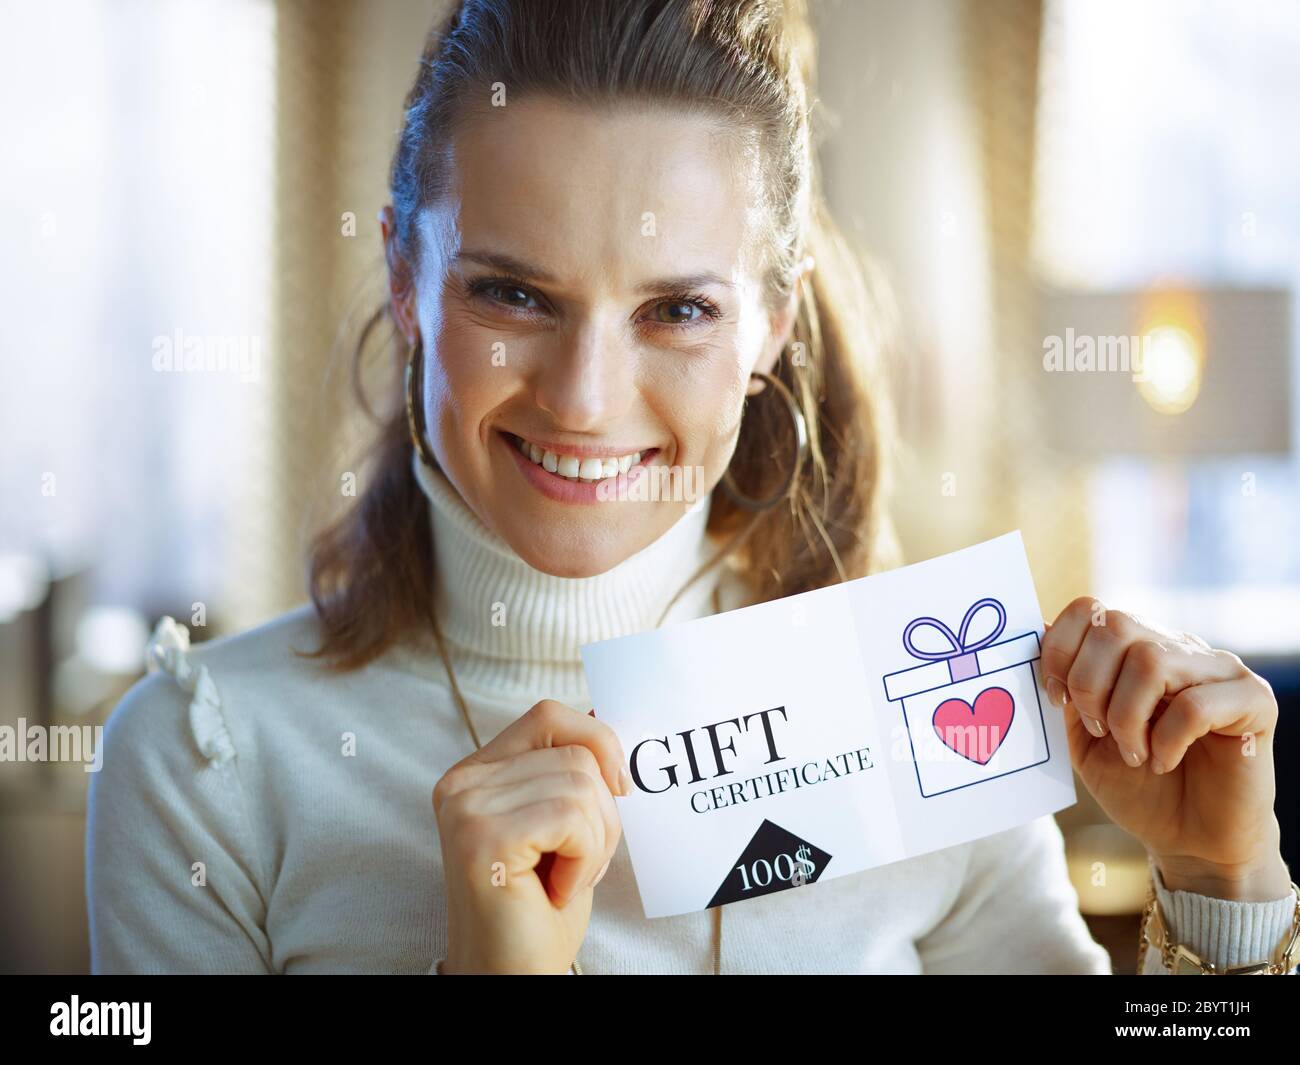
[{"x": 1026, "y": 179}]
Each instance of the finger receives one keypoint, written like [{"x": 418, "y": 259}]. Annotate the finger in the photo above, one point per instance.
[
  {"x": 577, "y": 786},
  {"x": 539, "y": 761},
  {"x": 1097, "y": 665},
  {"x": 469, "y": 776},
  {"x": 561, "y": 825},
  {"x": 1143, "y": 681},
  {"x": 1237, "y": 707},
  {"x": 570, "y": 758},
  {"x": 1077, "y": 735},
  {"x": 1154, "y": 670},
  {"x": 552, "y": 724},
  {"x": 1061, "y": 642}
]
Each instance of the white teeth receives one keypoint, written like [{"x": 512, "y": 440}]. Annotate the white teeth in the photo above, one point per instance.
[{"x": 574, "y": 468}]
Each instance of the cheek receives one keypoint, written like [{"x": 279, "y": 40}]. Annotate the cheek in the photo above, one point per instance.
[
  {"x": 461, "y": 383},
  {"x": 702, "y": 408}
]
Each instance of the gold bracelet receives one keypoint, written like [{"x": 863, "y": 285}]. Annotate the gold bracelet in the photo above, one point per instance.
[{"x": 1181, "y": 961}]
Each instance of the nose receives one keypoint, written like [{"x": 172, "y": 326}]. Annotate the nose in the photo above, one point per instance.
[{"x": 587, "y": 381}]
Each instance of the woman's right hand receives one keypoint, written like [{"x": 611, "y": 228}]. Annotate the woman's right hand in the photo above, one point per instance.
[{"x": 528, "y": 826}]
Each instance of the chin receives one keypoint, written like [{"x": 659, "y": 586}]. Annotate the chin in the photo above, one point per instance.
[{"x": 574, "y": 552}]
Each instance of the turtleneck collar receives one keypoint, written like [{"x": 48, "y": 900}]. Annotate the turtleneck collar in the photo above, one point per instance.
[{"x": 531, "y": 651}]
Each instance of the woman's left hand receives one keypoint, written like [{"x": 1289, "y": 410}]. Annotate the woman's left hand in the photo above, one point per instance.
[{"x": 1175, "y": 741}]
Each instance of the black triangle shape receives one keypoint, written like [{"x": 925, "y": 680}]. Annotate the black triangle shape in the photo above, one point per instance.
[{"x": 762, "y": 860}]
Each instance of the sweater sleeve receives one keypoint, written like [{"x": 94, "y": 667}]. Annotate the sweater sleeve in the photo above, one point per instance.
[
  {"x": 1222, "y": 931},
  {"x": 172, "y": 881},
  {"x": 1016, "y": 911}
]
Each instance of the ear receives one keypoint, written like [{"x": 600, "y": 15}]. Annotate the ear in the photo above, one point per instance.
[
  {"x": 401, "y": 279},
  {"x": 782, "y": 326}
]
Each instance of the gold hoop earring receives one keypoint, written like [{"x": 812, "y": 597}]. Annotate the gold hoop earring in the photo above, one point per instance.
[
  {"x": 415, "y": 410},
  {"x": 791, "y": 406}
]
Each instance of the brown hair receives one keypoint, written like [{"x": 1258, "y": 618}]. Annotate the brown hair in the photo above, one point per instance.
[{"x": 750, "y": 61}]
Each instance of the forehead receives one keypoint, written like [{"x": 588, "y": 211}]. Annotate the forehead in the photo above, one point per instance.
[{"x": 613, "y": 194}]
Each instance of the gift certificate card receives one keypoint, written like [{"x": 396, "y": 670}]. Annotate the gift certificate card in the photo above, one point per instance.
[{"x": 818, "y": 735}]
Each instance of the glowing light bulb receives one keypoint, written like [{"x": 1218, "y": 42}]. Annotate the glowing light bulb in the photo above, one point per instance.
[{"x": 1170, "y": 379}]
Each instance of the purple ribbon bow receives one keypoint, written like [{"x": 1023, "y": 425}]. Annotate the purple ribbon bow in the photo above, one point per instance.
[{"x": 961, "y": 659}]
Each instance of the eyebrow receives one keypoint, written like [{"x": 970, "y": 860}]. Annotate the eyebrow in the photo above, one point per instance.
[{"x": 531, "y": 272}]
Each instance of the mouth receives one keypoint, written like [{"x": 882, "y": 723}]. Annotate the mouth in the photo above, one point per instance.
[{"x": 572, "y": 478}]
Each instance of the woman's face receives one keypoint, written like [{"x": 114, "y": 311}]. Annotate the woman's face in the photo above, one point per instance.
[{"x": 587, "y": 287}]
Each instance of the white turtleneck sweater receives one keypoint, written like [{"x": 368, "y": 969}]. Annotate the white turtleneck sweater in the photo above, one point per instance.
[{"x": 257, "y": 813}]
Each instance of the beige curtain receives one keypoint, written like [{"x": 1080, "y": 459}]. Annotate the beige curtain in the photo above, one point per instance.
[
  {"x": 1042, "y": 493},
  {"x": 1035, "y": 491},
  {"x": 343, "y": 69}
]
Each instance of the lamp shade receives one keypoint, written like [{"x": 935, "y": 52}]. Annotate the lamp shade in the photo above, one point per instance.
[{"x": 1166, "y": 372}]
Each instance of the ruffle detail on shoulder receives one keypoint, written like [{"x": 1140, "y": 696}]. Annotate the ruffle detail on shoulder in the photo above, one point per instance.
[{"x": 168, "y": 650}]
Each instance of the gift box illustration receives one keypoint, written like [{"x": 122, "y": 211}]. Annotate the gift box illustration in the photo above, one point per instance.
[{"x": 972, "y": 711}]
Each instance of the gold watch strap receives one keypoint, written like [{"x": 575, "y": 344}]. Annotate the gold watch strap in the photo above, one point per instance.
[{"x": 1180, "y": 960}]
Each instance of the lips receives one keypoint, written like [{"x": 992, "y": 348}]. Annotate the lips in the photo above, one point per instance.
[
  {"x": 571, "y": 467},
  {"x": 572, "y": 490}
]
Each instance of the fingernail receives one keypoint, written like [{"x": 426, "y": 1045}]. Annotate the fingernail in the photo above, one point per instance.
[
  {"x": 1157, "y": 766},
  {"x": 1093, "y": 725},
  {"x": 1056, "y": 692},
  {"x": 601, "y": 875},
  {"x": 624, "y": 781},
  {"x": 1131, "y": 757}
]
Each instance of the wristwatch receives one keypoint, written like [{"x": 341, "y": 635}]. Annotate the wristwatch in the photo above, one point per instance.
[{"x": 1181, "y": 961}]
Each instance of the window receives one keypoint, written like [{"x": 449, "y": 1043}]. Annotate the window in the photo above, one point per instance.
[
  {"x": 1168, "y": 149},
  {"x": 138, "y": 217}
]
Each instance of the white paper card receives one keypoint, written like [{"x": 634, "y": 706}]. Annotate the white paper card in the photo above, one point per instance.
[{"x": 830, "y": 732}]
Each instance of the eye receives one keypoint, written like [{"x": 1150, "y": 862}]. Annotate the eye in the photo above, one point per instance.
[
  {"x": 677, "y": 310},
  {"x": 507, "y": 291}
]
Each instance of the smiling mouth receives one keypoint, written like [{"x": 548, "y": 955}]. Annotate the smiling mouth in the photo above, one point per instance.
[{"x": 577, "y": 467}]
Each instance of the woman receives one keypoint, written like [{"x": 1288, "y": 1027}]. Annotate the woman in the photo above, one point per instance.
[{"x": 605, "y": 234}]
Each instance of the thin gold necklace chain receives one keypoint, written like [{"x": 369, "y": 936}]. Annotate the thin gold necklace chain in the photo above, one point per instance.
[{"x": 473, "y": 732}]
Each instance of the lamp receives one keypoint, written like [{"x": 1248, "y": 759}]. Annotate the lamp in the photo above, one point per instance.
[{"x": 1167, "y": 371}]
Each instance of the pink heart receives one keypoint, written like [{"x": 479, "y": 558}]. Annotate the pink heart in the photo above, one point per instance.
[{"x": 975, "y": 732}]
